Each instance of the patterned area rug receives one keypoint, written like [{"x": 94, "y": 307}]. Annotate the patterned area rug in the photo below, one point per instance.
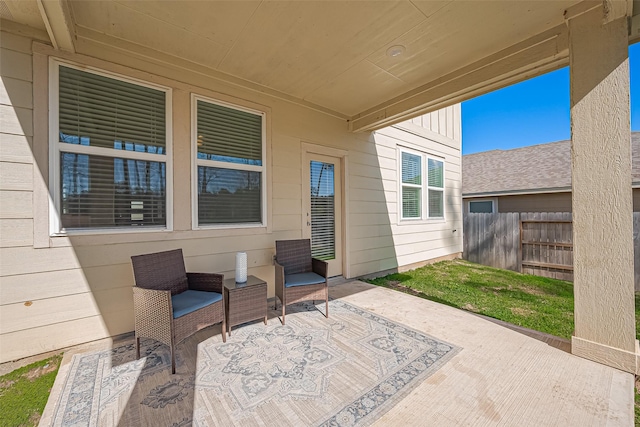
[{"x": 346, "y": 370}]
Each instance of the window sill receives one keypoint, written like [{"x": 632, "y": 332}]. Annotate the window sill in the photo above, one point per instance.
[
  {"x": 416, "y": 221},
  {"x": 229, "y": 226},
  {"x": 110, "y": 231}
]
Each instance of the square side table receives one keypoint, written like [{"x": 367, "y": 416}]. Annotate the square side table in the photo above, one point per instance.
[{"x": 245, "y": 301}]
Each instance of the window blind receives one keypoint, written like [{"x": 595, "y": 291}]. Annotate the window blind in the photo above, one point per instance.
[
  {"x": 227, "y": 134},
  {"x": 323, "y": 226},
  {"x": 411, "y": 169},
  {"x": 436, "y": 203},
  {"x": 103, "y": 112},
  {"x": 436, "y": 173},
  {"x": 98, "y": 191},
  {"x": 101, "y": 191},
  {"x": 411, "y": 206},
  {"x": 229, "y": 196}
]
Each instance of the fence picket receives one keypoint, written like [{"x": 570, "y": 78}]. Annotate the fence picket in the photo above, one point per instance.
[{"x": 504, "y": 240}]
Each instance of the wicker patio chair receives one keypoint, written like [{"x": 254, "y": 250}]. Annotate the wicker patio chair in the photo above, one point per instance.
[
  {"x": 171, "y": 304},
  {"x": 299, "y": 277}
]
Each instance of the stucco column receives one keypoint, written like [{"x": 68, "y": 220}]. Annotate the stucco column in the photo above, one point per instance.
[{"x": 602, "y": 198}]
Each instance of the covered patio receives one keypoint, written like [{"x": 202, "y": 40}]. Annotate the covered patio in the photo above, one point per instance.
[
  {"x": 497, "y": 376},
  {"x": 312, "y": 82}
]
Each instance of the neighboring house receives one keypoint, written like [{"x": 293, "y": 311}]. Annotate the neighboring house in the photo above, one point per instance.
[
  {"x": 528, "y": 179},
  {"x": 105, "y": 156}
]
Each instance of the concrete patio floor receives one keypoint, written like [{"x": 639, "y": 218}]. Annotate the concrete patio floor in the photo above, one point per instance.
[{"x": 500, "y": 377}]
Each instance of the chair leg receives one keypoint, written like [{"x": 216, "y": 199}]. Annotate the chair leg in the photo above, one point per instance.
[
  {"x": 283, "y": 312},
  {"x": 173, "y": 360},
  {"x": 137, "y": 348},
  {"x": 326, "y": 310},
  {"x": 224, "y": 329}
]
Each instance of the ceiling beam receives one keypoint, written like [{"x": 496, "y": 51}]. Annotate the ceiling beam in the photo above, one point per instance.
[
  {"x": 537, "y": 55},
  {"x": 59, "y": 23},
  {"x": 611, "y": 9},
  {"x": 615, "y": 9}
]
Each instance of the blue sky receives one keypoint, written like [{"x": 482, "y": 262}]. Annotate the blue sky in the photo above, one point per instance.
[{"x": 533, "y": 112}]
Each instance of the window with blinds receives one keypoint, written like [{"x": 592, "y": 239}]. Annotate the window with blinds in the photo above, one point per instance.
[
  {"x": 323, "y": 222},
  {"x": 229, "y": 150},
  {"x": 411, "y": 185},
  {"x": 110, "y": 152},
  {"x": 435, "y": 194},
  {"x": 421, "y": 198}
]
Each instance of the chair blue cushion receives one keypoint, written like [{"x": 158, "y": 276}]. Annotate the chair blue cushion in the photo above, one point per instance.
[
  {"x": 301, "y": 279},
  {"x": 189, "y": 301}
]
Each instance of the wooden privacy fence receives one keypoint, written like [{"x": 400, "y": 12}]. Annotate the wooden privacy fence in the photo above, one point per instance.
[{"x": 532, "y": 243}]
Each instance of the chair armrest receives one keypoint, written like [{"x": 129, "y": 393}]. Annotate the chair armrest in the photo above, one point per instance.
[
  {"x": 151, "y": 308},
  {"x": 208, "y": 282},
  {"x": 320, "y": 267},
  {"x": 279, "y": 274}
]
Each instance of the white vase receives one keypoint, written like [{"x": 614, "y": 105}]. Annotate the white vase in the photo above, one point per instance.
[{"x": 241, "y": 267}]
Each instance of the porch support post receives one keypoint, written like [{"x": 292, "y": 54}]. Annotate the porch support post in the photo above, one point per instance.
[{"x": 601, "y": 190}]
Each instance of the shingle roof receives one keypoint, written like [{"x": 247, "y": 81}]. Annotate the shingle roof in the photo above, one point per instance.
[{"x": 539, "y": 168}]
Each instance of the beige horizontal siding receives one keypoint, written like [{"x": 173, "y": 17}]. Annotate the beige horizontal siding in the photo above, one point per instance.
[
  {"x": 53, "y": 284},
  {"x": 16, "y": 93},
  {"x": 15, "y": 148},
  {"x": 16, "y": 204},
  {"x": 20, "y": 316},
  {"x": 16, "y": 176},
  {"x": 15, "y": 42},
  {"x": 16, "y": 232},
  {"x": 55, "y": 336},
  {"x": 16, "y": 120},
  {"x": 15, "y": 65}
]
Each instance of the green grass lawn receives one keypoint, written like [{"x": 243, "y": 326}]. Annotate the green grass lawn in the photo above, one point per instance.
[
  {"x": 533, "y": 302},
  {"x": 24, "y": 392}
]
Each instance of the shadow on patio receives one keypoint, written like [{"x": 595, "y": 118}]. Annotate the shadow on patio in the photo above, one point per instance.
[{"x": 380, "y": 355}]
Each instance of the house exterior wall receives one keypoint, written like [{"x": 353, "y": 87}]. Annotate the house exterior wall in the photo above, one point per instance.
[
  {"x": 549, "y": 202},
  {"x": 64, "y": 290}
]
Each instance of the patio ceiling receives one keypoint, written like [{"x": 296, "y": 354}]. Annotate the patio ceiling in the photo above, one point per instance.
[{"x": 331, "y": 56}]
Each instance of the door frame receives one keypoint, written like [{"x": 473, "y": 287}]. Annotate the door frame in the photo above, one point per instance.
[{"x": 310, "y": 148}]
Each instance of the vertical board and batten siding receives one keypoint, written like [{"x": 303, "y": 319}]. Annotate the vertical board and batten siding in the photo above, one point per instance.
[
  {"x": 445, "y": 122},
  {"x": 495, "y": 240},
  {"x": 61, "y": 291}
]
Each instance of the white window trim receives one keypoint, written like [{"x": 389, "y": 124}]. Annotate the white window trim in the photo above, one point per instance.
[
  {"x": 195, "y": 162},
  {"x": 493, "y": 200},
  {"x": 55, "y": 224},
  {"x": 424, "y": 216}
]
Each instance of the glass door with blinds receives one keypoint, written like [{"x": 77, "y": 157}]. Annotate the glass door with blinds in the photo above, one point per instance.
[{"x": 323, "y": 200}]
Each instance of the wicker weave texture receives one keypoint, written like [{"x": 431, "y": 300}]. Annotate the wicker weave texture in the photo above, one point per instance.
[
  {"x": 153, "y": 316},
  {"x": 163, "y": 271},
  {"x": 191, "y": 323},
  {"x": 159, "y": 276},
  {"x": 294, "y": 256},
  {"x": 307, "y": 293},
  {"x": 246, "y": 304}
]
